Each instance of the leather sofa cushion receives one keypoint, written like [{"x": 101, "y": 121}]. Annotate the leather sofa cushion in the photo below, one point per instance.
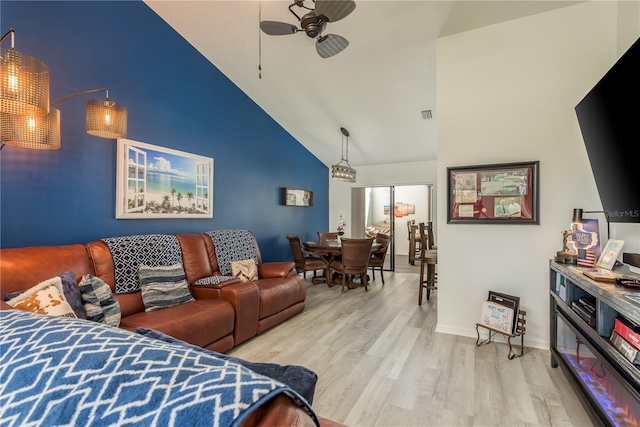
[
  {"x": 23, "y": 268},
  {"x": 279, "y": 294},
  {"x": 200, "y": 322}
]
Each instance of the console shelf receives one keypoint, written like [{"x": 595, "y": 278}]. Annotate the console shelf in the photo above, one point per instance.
[{"x": 609, "y": 383}]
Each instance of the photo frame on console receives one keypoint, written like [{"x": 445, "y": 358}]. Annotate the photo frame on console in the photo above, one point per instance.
[
  {"x": 505, "y": 193},
  {"x": 158, "y": 182},
  {"x": 610, "y": 254}
]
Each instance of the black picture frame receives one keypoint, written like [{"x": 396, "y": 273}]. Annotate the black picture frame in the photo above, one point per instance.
[
  {"x": 296, "y": 197},
  {"x": 483, "y": 194}
]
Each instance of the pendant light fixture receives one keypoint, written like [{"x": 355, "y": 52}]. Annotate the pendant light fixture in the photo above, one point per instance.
[
  {"x": 343, "y": 171},
  {"x": 104, "y": 119},
  {"x": 24, "y": 82}
]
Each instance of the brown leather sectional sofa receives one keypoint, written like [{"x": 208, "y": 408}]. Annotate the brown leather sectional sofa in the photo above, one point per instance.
[{"x": 221, "y": 317}]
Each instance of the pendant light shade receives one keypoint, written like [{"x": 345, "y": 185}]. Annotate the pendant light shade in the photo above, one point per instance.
[
  {"x": 343, "y": 171},
  {"x": 24, "y": 84},
  {"x": 106, "y": 119},
  {"x": 31, "y": 131},
  {"x": 26, "y": 117}
]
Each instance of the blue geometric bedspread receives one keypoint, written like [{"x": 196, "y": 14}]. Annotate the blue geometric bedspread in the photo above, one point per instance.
[{"x": 63, "y": 371}]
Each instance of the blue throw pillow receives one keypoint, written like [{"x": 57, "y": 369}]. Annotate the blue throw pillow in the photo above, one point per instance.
[
  {"x": 299, "y": 378},
  {"x": 71, "y": 292}
]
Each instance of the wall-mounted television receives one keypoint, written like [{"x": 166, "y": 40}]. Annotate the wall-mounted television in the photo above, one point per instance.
[{"x": 609, "y": 119}]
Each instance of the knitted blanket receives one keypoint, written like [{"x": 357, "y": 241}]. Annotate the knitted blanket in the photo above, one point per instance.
[
  {"x": 233, "y": 245},
  {"x": 129, "y": 252}
]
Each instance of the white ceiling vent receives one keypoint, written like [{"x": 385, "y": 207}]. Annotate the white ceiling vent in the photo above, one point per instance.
[{"x": 426, "y": 114}]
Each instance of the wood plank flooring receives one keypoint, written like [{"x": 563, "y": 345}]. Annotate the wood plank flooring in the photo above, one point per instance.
[{"x": 380, "y": 363}]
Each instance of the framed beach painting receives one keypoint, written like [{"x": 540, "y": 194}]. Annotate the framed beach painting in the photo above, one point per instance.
[{"x": 158, "y": 182}]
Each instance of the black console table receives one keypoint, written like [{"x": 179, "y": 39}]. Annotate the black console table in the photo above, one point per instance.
[{"x": 608, "y": 382}]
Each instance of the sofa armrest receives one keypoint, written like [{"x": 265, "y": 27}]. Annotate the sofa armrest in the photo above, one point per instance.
[
  {"x": 271, "y": 270},
  {"x": 245, "y": 299}
]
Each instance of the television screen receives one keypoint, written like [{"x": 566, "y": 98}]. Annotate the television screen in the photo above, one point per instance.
[{"x": 609, "y": 119}]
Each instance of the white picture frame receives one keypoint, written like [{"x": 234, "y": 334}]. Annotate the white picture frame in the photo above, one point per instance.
[
  {"x": 610, "y": 254},
  {"x": 154, "y": 182}
]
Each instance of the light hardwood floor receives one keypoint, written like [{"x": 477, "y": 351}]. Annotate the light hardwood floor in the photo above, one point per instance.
[{"x": 380, "y": 363}]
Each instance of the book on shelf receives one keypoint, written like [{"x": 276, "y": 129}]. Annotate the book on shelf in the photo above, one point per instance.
[
  {"x": 497, "y": 316},
  {"x": 625, "y": 348},
  {"x": 627, "y": 333},
  {"x": 509, "y": 301},
  {"x": 587, "y": 236}
]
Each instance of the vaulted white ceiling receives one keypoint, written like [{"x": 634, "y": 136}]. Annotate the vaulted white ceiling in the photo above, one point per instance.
[{"x": 376, "y": 88}]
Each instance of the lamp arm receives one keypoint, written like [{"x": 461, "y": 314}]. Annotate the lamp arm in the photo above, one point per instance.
[
  {"x": 81, "y": 93},
  {"x": 4, "y": 36}
]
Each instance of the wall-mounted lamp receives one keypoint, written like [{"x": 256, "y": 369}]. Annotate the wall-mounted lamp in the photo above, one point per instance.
[
  {"x": 27, "y": 125},
  {"x": 343, "y": 171}
]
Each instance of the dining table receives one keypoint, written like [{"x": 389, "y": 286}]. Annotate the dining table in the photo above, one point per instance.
[{"x": 330, "y": 249}]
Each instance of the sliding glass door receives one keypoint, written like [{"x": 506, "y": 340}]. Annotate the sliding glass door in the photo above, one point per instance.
[{"x": 388, "y": 209}]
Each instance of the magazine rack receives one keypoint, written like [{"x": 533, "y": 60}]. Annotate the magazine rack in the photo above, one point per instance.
[{"x": 519, "y": 332}]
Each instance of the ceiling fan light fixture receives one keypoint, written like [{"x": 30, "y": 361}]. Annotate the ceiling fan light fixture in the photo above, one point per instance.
[{"x": 314, "y": 23}]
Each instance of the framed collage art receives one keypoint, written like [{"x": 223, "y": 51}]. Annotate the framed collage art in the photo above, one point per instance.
[{"x": 505, "y": 193}]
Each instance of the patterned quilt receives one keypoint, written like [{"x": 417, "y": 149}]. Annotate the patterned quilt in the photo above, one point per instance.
[
  {"x": 63, "y": 371},
  {"x": 233, "y": 245}
]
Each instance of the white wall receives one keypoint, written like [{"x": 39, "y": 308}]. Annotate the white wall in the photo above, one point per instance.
[{"x": 507, "y": 93}]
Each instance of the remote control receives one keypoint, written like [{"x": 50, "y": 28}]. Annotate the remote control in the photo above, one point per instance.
[{"x": 628, "y": 282}]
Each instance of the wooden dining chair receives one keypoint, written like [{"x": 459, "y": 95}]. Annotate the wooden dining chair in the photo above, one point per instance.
[
  {"x": 428, "y": 258},
  {"x": 355, "y": 255},
  {"x": 306, "y": 260},
  {"x": 379, "y": 255},
  {"x": 414, "y": 241},
  {"x": 327, "y": 235}
]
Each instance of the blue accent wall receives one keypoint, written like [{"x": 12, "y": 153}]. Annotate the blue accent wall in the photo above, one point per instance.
[{"x": 176, "y": 99}]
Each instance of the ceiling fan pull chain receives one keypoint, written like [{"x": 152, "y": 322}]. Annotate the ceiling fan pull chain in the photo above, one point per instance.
[{"x": 259, "y": 40}]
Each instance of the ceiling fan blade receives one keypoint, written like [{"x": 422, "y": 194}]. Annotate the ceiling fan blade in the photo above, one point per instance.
[
  {"x": 274, "y": 28},
  {"x": 334, "y": 10},
  {"x": 330, "y": 45}
]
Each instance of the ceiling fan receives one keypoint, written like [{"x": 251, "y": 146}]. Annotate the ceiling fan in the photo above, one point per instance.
[{"x": 314, "y": 22}]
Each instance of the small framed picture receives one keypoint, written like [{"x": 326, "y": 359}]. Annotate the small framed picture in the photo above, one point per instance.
[{"x": 610, "y": 254}]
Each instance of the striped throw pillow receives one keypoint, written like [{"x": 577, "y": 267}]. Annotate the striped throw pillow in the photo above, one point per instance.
[
  {"x": 163, "y": 286},
  {"x": 98, "y": 301}
]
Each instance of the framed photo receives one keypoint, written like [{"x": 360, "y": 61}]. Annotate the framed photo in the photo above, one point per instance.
[
  {"x": 505, "y": 193},
  {"x": 295, "y": 197},
  {"x": 610, "y": 254},
  {"x": 158, "y": 182}
]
